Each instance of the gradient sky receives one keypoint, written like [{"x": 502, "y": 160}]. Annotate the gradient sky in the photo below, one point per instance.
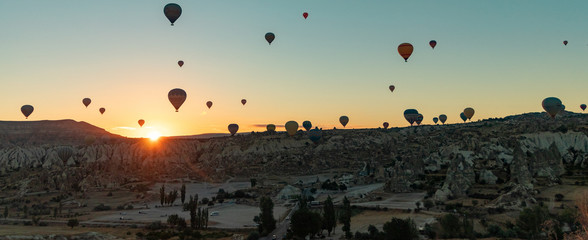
[{"x": 501, "y": 57}]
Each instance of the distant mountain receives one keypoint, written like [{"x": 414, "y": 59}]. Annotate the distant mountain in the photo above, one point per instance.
[
  {"x": 35, "y": 133},
  {"x": 204, "y": 136}
]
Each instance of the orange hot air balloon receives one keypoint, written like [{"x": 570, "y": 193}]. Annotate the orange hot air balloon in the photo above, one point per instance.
[
  {"x": 209, "y": 104},
  {"x": 305, "y": 15},
  {"x": 86, "y": 101},
  {"x": 344, "y": 120},
  {"x": 386, "y": 124},
  {"x": 181, "y": 63},
  {"x": 177, "y": 97},
  {"x": 433, "y": 43},
  {"x": 102, "y": 110},
  {"x": 405, "y": 50},
  {"x": 243, "y": 101},
  {"x": 269, "y": 37},
  {"x": 141, "y": 122},
  {"x": 172, "y": 11},
  {"x": 391, "y": 88},
  {"x": 565, "y": 42},
  {"x": 27, "y": 110}
]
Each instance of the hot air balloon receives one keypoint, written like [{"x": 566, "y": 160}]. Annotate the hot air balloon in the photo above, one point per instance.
[
  {"x": 291, "y": 127},
  {"x": 89, "y": 139},
  {"x": 405, "y": 50},
  {"x": 463, "y": 116},
  {"x": 433, "y": 43},
  {"x": 386, "y": 124},
  {"x": 243, "y": 101},
  {"x": 469, "y": 113},
  {"x": 27, "y": 110},
  {"x": 86, "y": 101},
  {"x": 271, "y": 128},
  {"x": 552, "y": 106},
  {"x": 269, "y": 37},
  {"x": 443, "y": 118},
  {"x": 305, "y": 15},
  {"x": 209, "y": 104},
  {"x": 172, "y": 11},
  {"x": 344, "y": 120},
  {"x": 102, "y": 110},
  {"x": 177, "y": 97},
  {"x": 419, "y": 119},
  {"x": 565, "y": 42},
  {"x": 583, "y": 107},
  {"x": 391, "y": 87},
  {"x": 410, "y": 115},
  {"x": 181, "y": 63},
  {"x": 563, "y": 109},
  {"x": 435, "y": 120},
  {"x": 307, "y": 125},
  {"x": 315, "y": 135},
  {"x": 64, "y": 153},
  {"x": 141, "y": 122},
  {"x": 233, "y": 128}
]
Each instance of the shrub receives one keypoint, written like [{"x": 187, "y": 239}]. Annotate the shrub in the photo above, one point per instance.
[{"x": 102, "y": 207}]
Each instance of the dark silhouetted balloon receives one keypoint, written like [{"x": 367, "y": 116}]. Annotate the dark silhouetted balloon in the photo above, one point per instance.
[
  {"x": 435, "y": 120},
  {"x": 269, "y": 37},
  {"x": 315, "y": 135},
  {"x": 177, "y": 97},
  {"x": 141, "y": 122},
  {"x": 271, "y": 128},
  {"x": 419, "y": 119},
  {"x": 391, "y": 87},
  {"x": 86, "y": 101},
  {"x": 243, "y": 101},
  {"x": 463, "y": 116},
  {"x": 344, "y": 120},
  {"x": 583, "y": 107},
  {"x": 181, "y": 63},
  {"x": 209, "y": 104},
  {"x": 552, "y": 106},
  {"x": 433, "y": 43},
  {"x": 102, "y": 110},
  {"x": 469, "y": 113},
  {"x": 443, "y": 118},
  {"x": 305, "y": 15},
  {"x": 410, "y": 115},
  {"x": 233, "y": 128},
  {"x": 64, "y": 153},
  {"x": 405, "y": 50},
  {"x": 565, "y": 42},
  {"x": 307, "y": 125},
  {"x": 291, "y": 127},
  {"x": 172, "y": 11},
  {"x": 27, "y": 110},
  {"x": 386, "y": 124}
]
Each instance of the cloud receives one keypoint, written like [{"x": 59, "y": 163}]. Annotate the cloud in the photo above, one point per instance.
[
  {"x": 125, "y": 128},
  {"x": 265, "y": 125}
]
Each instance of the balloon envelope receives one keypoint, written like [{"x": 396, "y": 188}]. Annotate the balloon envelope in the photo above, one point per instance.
[
  {"x": 305, "y": 15},
  {"x": 552, "y": 106},
  {"x": 386, "y": 124},
  {"x": 469, "y": 113},
  {"x": 27, "y": 110},
  {"x": 233, "y": 128},
  {"x": 344, "y": 120},
  {"x": 583, "y": 107},
  {"x": 209, "y": 104},
  {"x": 405, "y": 50},
  {"x": 269, "y": 37},
  {"x": 291, "y": 127},
  {"x": 565, "y": 42},
  {"x": 391, "y": 87},
  {"x": 315, "y": 135},
  {"x": 86, "y": 101},
  {"x": 243, "y": 101},
  {"x": 443, "y": 118},
  {"x": 435, "y": 120},
  {"x": 181, "y": 63},
  {"x": 141, "y": 122},
  {"x": 172, "y": 11},
  {"x": 64, "y": 153},
  {"x": 307, "y": 125},
  {"x": 102, "y": 110},
  {"x": 433, "y": 43},
  {"x": 410, "y": 115},
  {"x": 463, "y": 116},
  {"x": 271, "y": 128},
  {"x": 419, "y": 119},
  {"x": 177, "y": 97}
]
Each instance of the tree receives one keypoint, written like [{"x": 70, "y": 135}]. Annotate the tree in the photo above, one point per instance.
[
  {"x": 305, "y": 222},
  {"x": 5, "y": 212},
  {"x": 183, "y": 193},
  {"x": 162, "y": 195},
  {"x": 451, "y": 225},
  {"x": 400, "y": 229},
  {"x": 253, "y": 183},
  {"x": 73, "y": 223},
  {"x": 418, "y": 205},
  {"x": 345, "y": 218},
  {"x": 268, "y": 222},
  {"x": 192, "y": 205},
  {"x": 329, "y": 218},
  {"x": 253, "y": 236},
  {"x": 531, "y": 219},
  {"x": 428, "y": 204}
]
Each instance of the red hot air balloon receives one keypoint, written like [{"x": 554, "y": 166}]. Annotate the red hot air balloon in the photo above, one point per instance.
[
  {"x": 433, "y": 43},
  {"x": 181, "y": 63},
  {"x": 305, "y": 15},
  {"x": 243, "y": 101},
  {"x": 209, "y": 104},
  {"x": 172, "y": 11},
  {"x": 102, "y": 110},
  {"x": 269, "y": 37},
  {"x": 177, "y": 97},
  {"x": 86, "y": 101},
  {"x": 386, "y": 124},
  {"x": 565, "y": 42},
  {"x": 405, "y": 50},
  {"x": 141, "y": 122}
]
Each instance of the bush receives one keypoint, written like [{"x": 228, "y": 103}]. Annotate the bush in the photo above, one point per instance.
[
  {"x": 155, "y": 226},
  {"x": 102, "y": 207},
  {"x": 559, "y": 197}
]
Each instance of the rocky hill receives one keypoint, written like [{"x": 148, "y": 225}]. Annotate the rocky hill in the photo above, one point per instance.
[{"x": 515, "y": 154}]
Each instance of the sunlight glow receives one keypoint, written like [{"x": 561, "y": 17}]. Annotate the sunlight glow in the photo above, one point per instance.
[{"x": 154, "y": 136}]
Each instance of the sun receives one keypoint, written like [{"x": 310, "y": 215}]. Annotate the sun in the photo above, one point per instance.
[{"x": 154, "y": 136}]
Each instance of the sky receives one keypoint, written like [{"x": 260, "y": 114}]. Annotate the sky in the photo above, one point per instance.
[{"x": 500, "y": 57}]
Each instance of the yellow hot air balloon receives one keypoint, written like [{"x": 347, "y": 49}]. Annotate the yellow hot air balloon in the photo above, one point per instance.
[
  {"x": 405, "y": 50},
  {"x": 469, "y": 113},
  {"x": 291, "y": 127}
]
